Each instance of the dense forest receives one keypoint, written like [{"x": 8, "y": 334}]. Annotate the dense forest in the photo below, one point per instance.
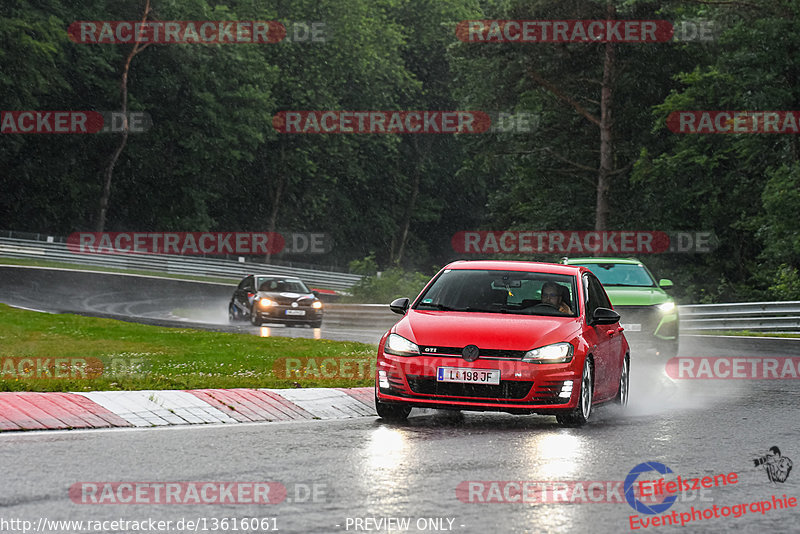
[{"x": 595, "y": 151}]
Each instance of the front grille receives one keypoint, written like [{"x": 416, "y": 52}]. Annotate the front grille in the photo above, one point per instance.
[
  {"x": 507, "y": 389},
  {"x": 647, "y": 316},
  {"x": 486, "y": 354}
]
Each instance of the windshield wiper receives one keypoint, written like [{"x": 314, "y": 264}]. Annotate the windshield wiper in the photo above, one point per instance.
[{"x": 440, "y": 307}]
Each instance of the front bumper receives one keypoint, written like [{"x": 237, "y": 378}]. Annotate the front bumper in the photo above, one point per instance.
[
  {"x": 278, "y": 314},
  {"x": 653, "y": 324},
  {"x": 524, "y": 387}
]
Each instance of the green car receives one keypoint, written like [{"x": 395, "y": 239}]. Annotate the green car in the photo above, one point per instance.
[{"x": 649, "y": 315}]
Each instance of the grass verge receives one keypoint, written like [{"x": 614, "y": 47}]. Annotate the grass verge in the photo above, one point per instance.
[{"x": 63, "y": 352}]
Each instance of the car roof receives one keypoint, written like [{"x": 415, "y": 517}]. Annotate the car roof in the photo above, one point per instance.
[
  {"x": 510, "y": 265},
  {"x": 628, "y": 261},
  {"x": 276, "y": 276}
]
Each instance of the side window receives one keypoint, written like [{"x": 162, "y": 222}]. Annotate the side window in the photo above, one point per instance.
[
  {"x": 602, "y": 298},
  {"x": 588, "y": 296},
  {"x": 265, "y": 284},
  {"x": 596, "y": 296},
  {"x": 249, "y": 284}
]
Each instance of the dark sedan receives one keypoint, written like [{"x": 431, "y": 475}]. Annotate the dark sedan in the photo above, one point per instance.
[{"x": 275, "y": 299}]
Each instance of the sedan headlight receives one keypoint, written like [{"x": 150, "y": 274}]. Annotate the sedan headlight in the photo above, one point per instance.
[
  {"x": 267, "y": 303},
  {"x": 666, "y": 307},
  {"x": 400, "y": 346},
  {"x": 555, "y": 353},
  {"x": 317, "y": 305}
]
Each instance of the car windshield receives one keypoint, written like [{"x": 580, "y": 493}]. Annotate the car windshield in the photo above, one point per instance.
[
  {"x": 621, "y": 274},
  {"x": 282, "y": 285},
  {"x": 491, "y": 291}
]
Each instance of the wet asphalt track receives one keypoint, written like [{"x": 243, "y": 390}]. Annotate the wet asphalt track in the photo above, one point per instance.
[{"x": 364, "y": 468}]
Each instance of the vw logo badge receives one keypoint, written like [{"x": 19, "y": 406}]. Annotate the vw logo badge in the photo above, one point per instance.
[
  {"x": 470, "y": 353},
  {"x": 294, "y": 304}
]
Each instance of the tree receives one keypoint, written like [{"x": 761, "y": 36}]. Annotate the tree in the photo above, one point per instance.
[{"x": 109, "y": 171}]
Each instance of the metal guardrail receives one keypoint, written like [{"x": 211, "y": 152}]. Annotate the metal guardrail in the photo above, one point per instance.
[
  {"x": 775, "y": 317},
  {"x": 171, "y": 264},
  {"x": 377, "y": 316}
]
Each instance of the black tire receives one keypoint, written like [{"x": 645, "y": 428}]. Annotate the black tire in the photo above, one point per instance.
[
  {"x": 255, "y": 319},
  {"x": 580, "y": 415},
  {"x": 624, "y": 383},
  {"x": 392, "y": 412}
]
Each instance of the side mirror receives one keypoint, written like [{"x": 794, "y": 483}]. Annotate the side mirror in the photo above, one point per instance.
[
  {"x": 604, "y": 316},
  {"x": 315, "y": 293},
  {"x": 665, "y": 283},
  {"x": 399, "y": 306}
]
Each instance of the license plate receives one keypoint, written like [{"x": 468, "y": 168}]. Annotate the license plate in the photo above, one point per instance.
[
  {"x": 468, "y": 376},
  {"x": 632, "y": 327},
  {"x": 295, "y": 312}
]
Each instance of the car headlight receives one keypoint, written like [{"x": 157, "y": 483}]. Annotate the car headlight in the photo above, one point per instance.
[
  {"x": 400, "y": 346},
  {"x": 555, "y": 353},
  {"x": 267, "y": 303},
  {"x": 666, "y": 307},
  {"x": 317, "y": 305}
]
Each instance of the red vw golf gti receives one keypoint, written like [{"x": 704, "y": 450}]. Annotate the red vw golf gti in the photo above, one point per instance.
[{"x": 511, "y": 336}]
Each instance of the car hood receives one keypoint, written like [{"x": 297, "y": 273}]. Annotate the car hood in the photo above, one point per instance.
[
  {"x": 636, "y": 296},
  {"x": 486, "y": 330}
]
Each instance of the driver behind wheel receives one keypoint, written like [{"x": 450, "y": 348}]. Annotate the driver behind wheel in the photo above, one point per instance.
[{"x": 552, "y": 296}]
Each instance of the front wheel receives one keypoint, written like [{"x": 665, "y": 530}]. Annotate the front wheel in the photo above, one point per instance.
[
  {"x": 580, "y": 416},
  {"x": 392, "y": 412},
  {"x": 255, "y": 319},
  {"x": 624, "y": 383}
]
